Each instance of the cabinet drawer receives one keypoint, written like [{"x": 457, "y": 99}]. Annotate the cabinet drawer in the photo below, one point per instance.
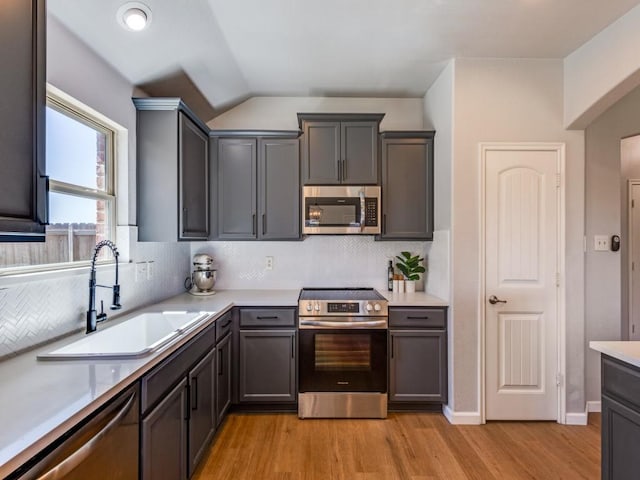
[
  {"x": 267, "y": 317},
  {"x": 223, "y": 325},
  {"x": 621, "y": 381},
  {"x": 418, "y": 317},
  {"x": 165, "y": 375}
]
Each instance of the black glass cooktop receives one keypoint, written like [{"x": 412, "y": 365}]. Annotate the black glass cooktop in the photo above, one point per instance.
[{"x": 343, "y": 294}]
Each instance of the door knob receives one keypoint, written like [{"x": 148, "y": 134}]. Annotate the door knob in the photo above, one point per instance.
[{"x": 493, "y": 300}]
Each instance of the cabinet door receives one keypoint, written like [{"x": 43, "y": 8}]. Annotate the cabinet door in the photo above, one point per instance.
[
  {"x": 321, "y": 153},
  {"x": 359, "y": 152},
  {"x": 202, "y": 415},
  {"x": 164, "y": 438},
  {"x": 279, "y": 187},
  {"x": 418, "y": 366},
  {"x": 267, "y": 366},
  {"x": 194, "y": 181},
  {"x": 23, "y": 187},
  {"x": 223, "y": 378},
  {"x": 237, "y": 178},
  {"x": 407, "y": 183},
  {"x": 620, "y": 441}
]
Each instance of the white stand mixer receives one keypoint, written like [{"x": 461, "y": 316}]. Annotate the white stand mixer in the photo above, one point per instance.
[{"x": 203, "y": 278}]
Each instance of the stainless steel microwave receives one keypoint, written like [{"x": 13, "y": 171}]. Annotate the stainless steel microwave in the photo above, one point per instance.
[{"x": 341, "y": 210}]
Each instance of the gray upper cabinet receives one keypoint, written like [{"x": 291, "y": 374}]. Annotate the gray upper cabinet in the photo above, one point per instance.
[
  {"x": 407, "y": 185},
  {"x": 257, "y": 188},
  {"x": 236, "y": 189},
  {"x": 23, "y": 184},
  {"x": 279, "y": 189},
  {"x": 340, "y": 148},
  {"x": 173, "y": 172}
]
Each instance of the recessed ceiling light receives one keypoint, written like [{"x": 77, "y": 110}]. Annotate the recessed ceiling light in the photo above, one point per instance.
[{"x": 134, "y": 16}]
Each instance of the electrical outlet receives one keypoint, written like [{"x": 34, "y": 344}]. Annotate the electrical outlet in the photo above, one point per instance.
[
  {"x": 268, "y": 264},
  {"x": 150, "y": 269},
  {"x": 141, "y": 271},
  {"x": 601, "y": 243}
]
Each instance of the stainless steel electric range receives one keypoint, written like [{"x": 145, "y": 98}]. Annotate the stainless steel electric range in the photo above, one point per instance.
[{"x": 342, "y": 371}]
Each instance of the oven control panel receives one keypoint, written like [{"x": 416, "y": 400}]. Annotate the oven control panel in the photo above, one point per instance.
[
  {"x": 343, "y": 307},
  {"x": 353, "y": 308}
]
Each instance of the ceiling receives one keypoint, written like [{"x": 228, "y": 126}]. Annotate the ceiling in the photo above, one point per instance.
[{"x": 233, "y": 49}]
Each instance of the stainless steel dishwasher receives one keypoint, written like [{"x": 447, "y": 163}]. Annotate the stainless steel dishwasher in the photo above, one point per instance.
[{"x": 104, "y": 446}]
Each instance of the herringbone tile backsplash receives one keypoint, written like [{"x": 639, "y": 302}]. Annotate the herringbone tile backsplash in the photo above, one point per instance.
[{"x": 34, "y": 312}]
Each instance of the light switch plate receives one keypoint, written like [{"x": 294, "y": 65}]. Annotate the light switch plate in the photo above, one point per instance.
[
  {"x": 141, "y": 271},
  {"x": 601, "y": 243}
]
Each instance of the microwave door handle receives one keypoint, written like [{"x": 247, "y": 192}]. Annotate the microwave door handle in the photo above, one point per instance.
[{"x": 362, "y": 210}]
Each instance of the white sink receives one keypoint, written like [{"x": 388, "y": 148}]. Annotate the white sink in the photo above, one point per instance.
[{"x": 135, "y": 337}]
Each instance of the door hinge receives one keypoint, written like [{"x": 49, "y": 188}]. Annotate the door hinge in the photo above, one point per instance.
[
  {"x": 558, "y": 379},
  {"x": 633, "y": 328},
  {"x": 557, "y": 279},
  {"x": 633, "y": 204},
  {"x": 633, "y": 266},
  {"x": 557, "y": 180}
]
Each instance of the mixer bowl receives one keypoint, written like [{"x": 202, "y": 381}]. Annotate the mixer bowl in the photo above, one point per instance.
[{"x": 204, "y": 280}]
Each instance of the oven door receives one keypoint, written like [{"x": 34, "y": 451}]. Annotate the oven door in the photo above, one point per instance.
[{"x": 342, "y": 360}]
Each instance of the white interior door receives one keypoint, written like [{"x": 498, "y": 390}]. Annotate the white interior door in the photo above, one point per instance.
[
  {"x": 521, "y": 270},
  {"x": 634, "y": 258}
]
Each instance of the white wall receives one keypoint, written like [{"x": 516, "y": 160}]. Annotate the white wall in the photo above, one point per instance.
[
  {"x": 602, "y": 71},
  {"x": 37, "y": 308},
  {"x": 280, "y": 113},
  {"x": 606, "y": 273},
  {"x": 509, "y": 100}
]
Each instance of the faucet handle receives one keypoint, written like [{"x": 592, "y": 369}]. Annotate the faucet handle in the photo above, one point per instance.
[{"x": 101, "y": 316}]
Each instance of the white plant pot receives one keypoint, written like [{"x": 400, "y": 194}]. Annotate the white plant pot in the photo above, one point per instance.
[{"x": 410, "y": 286}]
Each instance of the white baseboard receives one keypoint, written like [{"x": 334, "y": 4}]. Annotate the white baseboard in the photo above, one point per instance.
[
  {"x": 461, "y": 418},
  {"x": 594, "y": 406},
  {"x": 579, "y": 418}
]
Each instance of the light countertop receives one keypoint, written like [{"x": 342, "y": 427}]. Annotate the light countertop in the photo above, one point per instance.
[
  {"x": 626, "y": 351},
  {"x": 41, "y": 400}
]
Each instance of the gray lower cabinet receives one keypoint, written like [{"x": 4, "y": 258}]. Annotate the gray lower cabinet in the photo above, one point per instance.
[
  {"x": 620, "y": 420},
  {"x": 178, "y": 406},
  {"x": 164, "y": 438},
  {"x": 267, "y": 368},
  {"x": 173, "y": 172},
  {"x": 223, "y": 377},
  {"x": 267, "y": 356},
  {"x": 339, "y": 148},
  {"x": 407, "y": 183},
  {"x": 23, "y": 184},
  {"x": 418, "y": 355},
  {"x": 257, "y": 188},
  {"x": 202, "y": 405}
]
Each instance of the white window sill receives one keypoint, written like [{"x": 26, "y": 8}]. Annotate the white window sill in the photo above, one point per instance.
[{"x": 15, "y": 277}]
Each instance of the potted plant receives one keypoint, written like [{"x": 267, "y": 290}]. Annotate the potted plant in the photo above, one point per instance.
[{"x": 410, "y": 267}]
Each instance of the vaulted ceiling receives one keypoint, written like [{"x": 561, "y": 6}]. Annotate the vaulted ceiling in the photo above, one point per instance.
[{"x": 233, "y": 49}]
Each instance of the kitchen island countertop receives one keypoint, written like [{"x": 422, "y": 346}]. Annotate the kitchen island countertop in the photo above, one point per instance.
[{"x": 625, "y": 351}]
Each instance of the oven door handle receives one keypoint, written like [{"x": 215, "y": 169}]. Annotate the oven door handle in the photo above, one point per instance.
[{"x": 306, "y": 323}]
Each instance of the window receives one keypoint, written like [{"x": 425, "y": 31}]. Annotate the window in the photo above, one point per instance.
[{"x": 80, "y": 165}]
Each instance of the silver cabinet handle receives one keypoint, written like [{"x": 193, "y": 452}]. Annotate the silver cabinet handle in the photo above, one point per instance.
[
  {"x": 493, "y": 300},
  {"x": 77, "y": 457}
]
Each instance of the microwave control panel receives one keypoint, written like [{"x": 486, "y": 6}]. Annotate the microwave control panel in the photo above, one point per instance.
[{"x": 371, "y": 212}]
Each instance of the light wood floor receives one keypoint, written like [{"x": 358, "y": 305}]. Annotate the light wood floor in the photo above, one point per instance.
[{"x": 405, "y": 446}]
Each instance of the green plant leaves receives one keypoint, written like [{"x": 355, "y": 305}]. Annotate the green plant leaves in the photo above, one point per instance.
[{"x": 410, "y": 266}]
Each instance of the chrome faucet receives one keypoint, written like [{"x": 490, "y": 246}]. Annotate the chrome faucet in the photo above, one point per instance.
[{"x": 92, "y": 316}]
